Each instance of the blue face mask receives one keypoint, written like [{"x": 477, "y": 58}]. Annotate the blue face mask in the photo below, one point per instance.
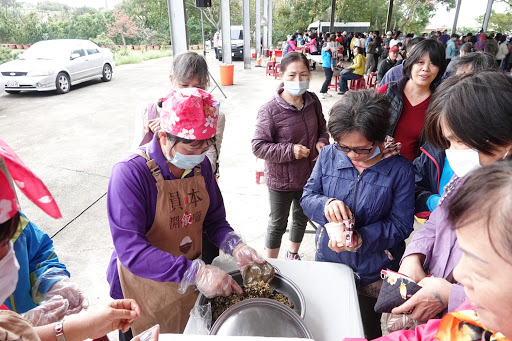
[
  {"x": 296, "y": 88},
  {"x": 375, "y": 153},
  {"x": 186, "y": 161}
]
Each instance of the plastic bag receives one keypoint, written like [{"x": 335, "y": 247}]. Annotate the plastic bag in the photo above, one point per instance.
[{"x": 201, "y": 319}]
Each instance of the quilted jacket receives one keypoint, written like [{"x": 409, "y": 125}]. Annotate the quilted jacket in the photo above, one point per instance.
[
  {"x": 382, "y": 200},
  {"x": 429, "y": 167},
  {"x": 279, "y": 126}
]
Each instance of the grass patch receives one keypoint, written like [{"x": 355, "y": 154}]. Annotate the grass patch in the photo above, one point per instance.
[{"x": 138, "y": 56}]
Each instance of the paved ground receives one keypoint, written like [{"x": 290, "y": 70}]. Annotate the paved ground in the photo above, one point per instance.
[{"x": 72, "y": 141}]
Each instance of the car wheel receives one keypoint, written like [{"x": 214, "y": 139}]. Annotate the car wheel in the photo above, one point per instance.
[
  {"x": 62, "y": 83},
  {"x": 107, "y": 73},
  {"x": 12, "y": 92}
]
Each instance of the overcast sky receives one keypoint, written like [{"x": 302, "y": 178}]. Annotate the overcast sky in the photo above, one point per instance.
[{"x": 470, "y": 10}]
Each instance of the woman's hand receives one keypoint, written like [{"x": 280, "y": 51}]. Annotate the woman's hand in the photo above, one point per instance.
[
  {"x": 429, "y": 301},
  {"x": 357, "y": 240},
  {"x": 154, "y": 125},
  {"x": 411, "y": 266},
  {"x": 300, "y": 151},
  {"x": 319, "y": 146},
  {"x": 336, "y": 211},
  {"x": 212, "y": 282}
]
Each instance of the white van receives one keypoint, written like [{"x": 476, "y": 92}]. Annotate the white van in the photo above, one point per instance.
[
  {"x": 325, "y": 26},
  {"x": 237, "y": 42}
]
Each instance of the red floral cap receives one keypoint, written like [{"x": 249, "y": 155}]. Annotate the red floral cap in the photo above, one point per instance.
[
  {"x": 190, "y": 113},
  {"x": 27, "y": 182}
]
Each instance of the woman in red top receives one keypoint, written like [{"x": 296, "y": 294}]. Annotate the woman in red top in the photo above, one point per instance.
[{"x": 410, "y": 96}]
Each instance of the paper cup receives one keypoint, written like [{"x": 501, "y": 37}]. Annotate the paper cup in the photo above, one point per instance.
[{"x": 335, "y": 232}]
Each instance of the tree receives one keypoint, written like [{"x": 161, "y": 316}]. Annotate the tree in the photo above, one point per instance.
[
  {"x": 499, "y": 22},
  {"x": 123, "y": 25}
]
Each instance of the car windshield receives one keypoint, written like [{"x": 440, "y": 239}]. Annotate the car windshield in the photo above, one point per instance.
[
  {"x": 46, "y": 51},
  {"x": 237, "y": 35}
]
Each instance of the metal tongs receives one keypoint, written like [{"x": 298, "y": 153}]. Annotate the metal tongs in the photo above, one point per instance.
[{"x": 256, "y": 272}]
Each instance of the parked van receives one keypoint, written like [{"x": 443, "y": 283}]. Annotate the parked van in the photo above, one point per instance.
[
  {"x": 237, "y": 43},
  {"x": 325, "y": 26}
]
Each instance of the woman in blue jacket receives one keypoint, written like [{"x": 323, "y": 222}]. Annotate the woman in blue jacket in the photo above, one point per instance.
[{"x": 352, "y": 180}]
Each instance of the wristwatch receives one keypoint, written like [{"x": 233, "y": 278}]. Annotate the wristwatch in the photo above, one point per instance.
[{"x": 59, "y": 332}]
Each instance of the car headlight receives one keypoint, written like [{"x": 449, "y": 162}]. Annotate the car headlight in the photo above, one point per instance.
[{"x": 39, "y": 73}]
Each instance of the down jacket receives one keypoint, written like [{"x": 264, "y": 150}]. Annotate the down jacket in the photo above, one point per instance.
[
  {"x": 382, "y": 201},
  {"x": 279, "y": 126}
]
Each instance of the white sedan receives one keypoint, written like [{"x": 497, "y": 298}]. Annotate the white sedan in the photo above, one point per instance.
[{"x": 57, "y": 65}]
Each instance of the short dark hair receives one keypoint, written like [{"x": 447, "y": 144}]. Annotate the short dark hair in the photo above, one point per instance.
[
  {"x": 412, "y": 43},
  {"x": 436, "y": 53},
  {"x": 487, "y": 194},
  {"x": 454, "y": 35},
  {"x": 478, "y": 60},
  {"x": 8, "y": 228},
  {"x": 292, "y": 57},
  {"x": 365, "y": 111},
  {"x": 476, "y": 106}
]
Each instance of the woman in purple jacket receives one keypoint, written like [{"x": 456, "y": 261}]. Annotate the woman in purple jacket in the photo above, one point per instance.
[
  {"x": 474, "y": 132},
  {"x": 290, "y": 131}
]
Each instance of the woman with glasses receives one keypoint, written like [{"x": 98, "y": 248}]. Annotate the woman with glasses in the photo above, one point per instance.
[{"x": 352, "y": 180}]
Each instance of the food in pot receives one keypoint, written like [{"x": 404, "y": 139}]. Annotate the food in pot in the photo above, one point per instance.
[{"x": 258, "y": 289}]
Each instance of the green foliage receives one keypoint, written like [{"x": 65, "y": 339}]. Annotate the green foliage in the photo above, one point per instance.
[
  {"x": 133, "y": 57},
  {"x": 103, "y": 39},
  {"x": 499, "y": 22},
  {"x": 6, "y": 54}
]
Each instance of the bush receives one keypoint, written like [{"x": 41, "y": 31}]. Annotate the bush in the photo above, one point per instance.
[
  {"x": 103, "y": 39},
  {"x": 6, "y": 54},
  {"x": 134, "y": 57}
]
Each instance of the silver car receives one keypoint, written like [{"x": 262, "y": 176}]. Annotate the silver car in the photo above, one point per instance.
[{"x": 57, "y": 65}]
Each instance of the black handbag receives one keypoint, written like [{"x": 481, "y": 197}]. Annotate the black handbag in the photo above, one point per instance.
[{"x": 396, "y": 289}]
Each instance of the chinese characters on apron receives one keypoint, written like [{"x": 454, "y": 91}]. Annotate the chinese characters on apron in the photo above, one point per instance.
[{"x": 177, "y": 229}]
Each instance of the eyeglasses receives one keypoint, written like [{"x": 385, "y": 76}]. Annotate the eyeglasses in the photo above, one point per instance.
[{"x": 347, "y": 150}]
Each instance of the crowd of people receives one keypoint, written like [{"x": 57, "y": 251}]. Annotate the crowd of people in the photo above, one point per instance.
[{"x": 433, "y": 141}]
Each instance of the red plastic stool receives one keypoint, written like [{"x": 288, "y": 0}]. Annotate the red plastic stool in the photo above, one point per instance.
[
  {"x": 371, "y": 80},
  {"x": 277, "y": 71},
  {"x": 335, "y": 85},
  {"x": 271, "y": 68},
  {"x": 357, "y": 84},
  {"x": 258, "y": 176}
]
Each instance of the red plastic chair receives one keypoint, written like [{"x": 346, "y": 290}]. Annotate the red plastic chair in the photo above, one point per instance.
[
  {"x": 371, "y": 80},
  {"x": 357, "y": 84},
  {"x": 271, "y": 68},
  {"x": 277, "y": 71}
]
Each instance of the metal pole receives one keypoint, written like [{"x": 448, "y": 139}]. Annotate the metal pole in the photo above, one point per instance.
[
  {"x": 257, "y": 45},
  {"x": 225, "y": 24},
  {"x": 457, "y": 10},
  {"x": 487, "y": 15},
  {"x": 202, "y": 33},
  {"x": 390, "y": 14},
  {"x": 178, "y": 25},
  {"x": 270, "y": 8},
  {"x": 333, "y": 11},
  {"x": 247, "y": 35},
  {"x": 265, "y": 28}
]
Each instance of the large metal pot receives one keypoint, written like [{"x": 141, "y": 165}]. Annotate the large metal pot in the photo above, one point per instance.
[{"x": 280, "y": 283}]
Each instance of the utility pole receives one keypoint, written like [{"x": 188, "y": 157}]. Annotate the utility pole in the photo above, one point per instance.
[
  {"x": 487, "y": 15},
  {"x": 270, "y": 8},
  {"x": 225, "y": 31},
  {"x": 247, "y": 35},
  {"x": 390, "y": 14},
  {"x": 333, "y": 12},
  {"x": 457, "y": 10},
  {"x": 257, "y": 19},
  {"x": 178, "y": 26},
  {"x": 265, "y": 27}
]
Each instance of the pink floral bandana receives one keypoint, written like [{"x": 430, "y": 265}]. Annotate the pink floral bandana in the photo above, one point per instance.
[
  {"x": 190, "y": 113},
  {"x": 27, "y": 182}
]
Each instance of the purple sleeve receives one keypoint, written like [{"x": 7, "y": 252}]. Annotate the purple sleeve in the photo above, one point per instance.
[
  {"x": 263, "y": 145},
  {"x": 423, "y": 241},
  {"x": 457, "y": 297},
  {"x": 129, "y": 199},
  {"x": 215, "y": 223}
]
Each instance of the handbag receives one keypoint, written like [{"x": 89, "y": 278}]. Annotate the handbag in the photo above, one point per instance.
[
  {"x": 346, "y": 71},
  {"x": 396, "y": 289}
]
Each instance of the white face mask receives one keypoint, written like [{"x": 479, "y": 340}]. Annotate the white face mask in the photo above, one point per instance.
[
  {"x": 463, "y": 161},
  {"x": 8, "y": 274}
]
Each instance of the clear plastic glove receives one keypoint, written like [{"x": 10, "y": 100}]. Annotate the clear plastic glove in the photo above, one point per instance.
[
  {"x": 246, "y": 255},
  {"x": 51, "y": 310},
  {"x": 210, "y": 280},
  {"x": 70, "y": 291}
]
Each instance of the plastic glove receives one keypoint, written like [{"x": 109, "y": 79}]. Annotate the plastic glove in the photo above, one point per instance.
[
  {"x": 210, "y": 280},
  {"x": 51, "y": 310},
  {"x": 70, "y": 291},
  {"x": 246, "y": 255}
]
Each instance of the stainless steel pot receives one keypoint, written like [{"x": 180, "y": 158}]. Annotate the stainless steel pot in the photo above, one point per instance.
[{"x": 280, "y": 283}]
